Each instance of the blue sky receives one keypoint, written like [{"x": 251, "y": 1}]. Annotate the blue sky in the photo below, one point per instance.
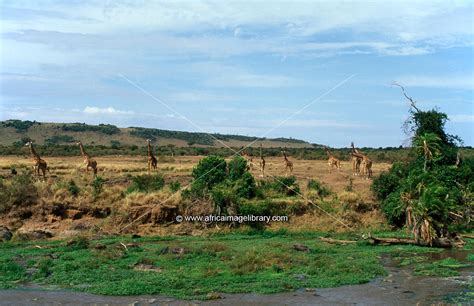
[{"x": 240, "y": 67}]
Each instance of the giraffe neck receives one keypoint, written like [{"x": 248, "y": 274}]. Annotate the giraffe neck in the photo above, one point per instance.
[
  {"x": 150, "y": 153},
  {"x": 33, "y": 152},
  {"x": 358, "y": 155},
  {"x": 83, "y": 152},
  {"x": 328, "y": 154}
]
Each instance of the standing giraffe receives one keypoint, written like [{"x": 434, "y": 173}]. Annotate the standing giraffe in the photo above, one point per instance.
[
  {"x": 288, "y": 163},
  {"x": 40, "y": 164},
  {"x": 248, "y": 158},
  {"x": 363, "y": 161},
  {"x": 90, "y": 163},
  {"x": 332, "y": 160},
  {"x": 262, "y": 162},
  {"x": 152, "y": 162}
]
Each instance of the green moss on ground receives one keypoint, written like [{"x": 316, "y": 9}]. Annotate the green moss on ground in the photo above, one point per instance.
[{"x": 191, "y": 267}]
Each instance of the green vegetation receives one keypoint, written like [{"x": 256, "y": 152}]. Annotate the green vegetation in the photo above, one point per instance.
[
  {"x": 198, "y": 138},
  {"x": 107, "y": 129},
  {"x": 57, "y": 139},
  {"x": 146, "y": 183},
  {"x": 321, "y": 190},
  {"x": 97, "y": 185},
  {"x": 19, "y": 125},
  {"x": 17, "y": 192},
  {"x": 260, "y": 262},
  {"x": 73, "y": 189},
  {"x": 433, "y": 193}
]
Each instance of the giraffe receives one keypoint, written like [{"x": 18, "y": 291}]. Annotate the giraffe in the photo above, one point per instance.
[
  {"x": 356, "y": 158},
  {"x": 90, "y": 163},
  {"x": 40, "y": 164},
  {"x": 248, "y": 159},
  {"x": 152, "y": 162},
  {"x": 359, "y": 159},
  {"x": 262, "y": 163},
  {"x": 332, "y": 160},
  {"x": 288, "y": 163}
]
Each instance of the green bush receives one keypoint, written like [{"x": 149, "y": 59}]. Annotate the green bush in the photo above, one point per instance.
[
  {"x": 245, "y": 187},
  {"x": 19, "y": 125},
  {"x": 146, "y": 183},
  {"x": 107, "y": 129},
  {"x": 321, "y": 190},
  {"x": 283, "y": 185},
  {"x": 57, "y": 139},
  {"x": 430, "y": 186},
  {"x": 73, "y": 189},
  {"x": 209, "y": 172},
  {"x": 175, "y": 186},
  {"x": 20, "y": 192},
  {"x": 237, "y": 168},
  {"x": 224, "y": 199},
  {"x": 97, "y": 185}
]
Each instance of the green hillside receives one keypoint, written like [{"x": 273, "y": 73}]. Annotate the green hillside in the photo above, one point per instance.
[{"x": 17, "y": 131}]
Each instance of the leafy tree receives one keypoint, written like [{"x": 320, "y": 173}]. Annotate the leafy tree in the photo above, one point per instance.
[
  {"x": 431, "y": 192},
  {"x": 427, "y": 145}
]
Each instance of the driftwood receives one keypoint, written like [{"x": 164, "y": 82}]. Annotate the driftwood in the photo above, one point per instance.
[
  {"x": 437, "y": 242},
  {"x": 335, "y": 241}
]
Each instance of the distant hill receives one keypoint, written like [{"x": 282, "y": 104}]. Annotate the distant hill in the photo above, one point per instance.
[{"x": 16, "y": 131}]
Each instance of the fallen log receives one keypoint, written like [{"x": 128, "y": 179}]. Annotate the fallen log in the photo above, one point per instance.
[
  {"x": 467, "y": 236},
  {"x": 437, "y": 242},
  {"x": 336, "y": 241}
]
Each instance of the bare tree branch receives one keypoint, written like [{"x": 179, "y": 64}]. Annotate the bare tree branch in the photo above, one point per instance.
[{"x": 412, "y": 102}]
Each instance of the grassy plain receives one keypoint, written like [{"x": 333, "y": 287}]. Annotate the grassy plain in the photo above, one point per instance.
[{"x": 197, "y": 267}]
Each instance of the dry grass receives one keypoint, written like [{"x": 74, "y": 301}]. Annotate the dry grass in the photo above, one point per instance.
[{"x": 116, "y": 170}]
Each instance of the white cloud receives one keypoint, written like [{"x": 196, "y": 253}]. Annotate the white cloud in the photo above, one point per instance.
[
  {"x": 93, "y": 110},
  {"x": 461, "y": 118},
  {"x": 324, "y": 123},
  {"x": 230, "y": 28},
  {"x": 453, "y": 82}
]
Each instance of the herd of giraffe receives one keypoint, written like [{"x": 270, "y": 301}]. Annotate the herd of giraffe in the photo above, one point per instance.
[{"x": 358, "y": 159}]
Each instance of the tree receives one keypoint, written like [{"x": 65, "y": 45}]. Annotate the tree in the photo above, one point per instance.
[{"x": 427, "y": 145}]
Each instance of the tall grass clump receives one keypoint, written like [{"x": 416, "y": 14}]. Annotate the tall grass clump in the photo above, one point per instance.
[{"x": 146, "y": 183}]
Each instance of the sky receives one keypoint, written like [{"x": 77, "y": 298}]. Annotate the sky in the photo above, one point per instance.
[{"x": 320, "y": 71}]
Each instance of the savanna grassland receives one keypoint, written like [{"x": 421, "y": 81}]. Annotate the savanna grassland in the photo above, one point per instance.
[
  {"x": 117, "y": 233},
  {"x": 345, "y": 195}
]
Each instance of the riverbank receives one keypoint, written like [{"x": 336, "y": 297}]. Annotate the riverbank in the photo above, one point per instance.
[{"x": 200, "y": 268}]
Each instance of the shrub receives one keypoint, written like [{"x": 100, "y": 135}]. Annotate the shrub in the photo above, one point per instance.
[
  {"x": 97, "y": 185},
  {"x": 237, "y": 168},
  {"x": 19, "y": 125},
  {"x": 73, "y": 188},
  {"x": 209, "y": 172},
  {"x": 245, "y": 187},
  {"x": 423, "y": 192},
  {"x": 20, "y": 192},
  {"x": 284, "y": 185},
  {"x": 57, "y": 139},
  {"x": 321, "y": 190},
  {"x": 175, "y": 186},
  {"x": 225, "y": 200},
  {"x": 146, "y": 183}
]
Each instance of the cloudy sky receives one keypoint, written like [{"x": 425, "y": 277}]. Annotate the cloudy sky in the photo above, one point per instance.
[{"x": 240, "y": 67}]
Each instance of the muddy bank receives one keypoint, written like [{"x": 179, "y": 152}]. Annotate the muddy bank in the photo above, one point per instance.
[{"x": 399, "y": 287}]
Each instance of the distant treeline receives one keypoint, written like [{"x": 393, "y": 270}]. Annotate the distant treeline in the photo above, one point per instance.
[
  {"x": 389, "y": 154},
  {"x": 191, "y": 138},
  {"x": 198, "y": 138}
]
